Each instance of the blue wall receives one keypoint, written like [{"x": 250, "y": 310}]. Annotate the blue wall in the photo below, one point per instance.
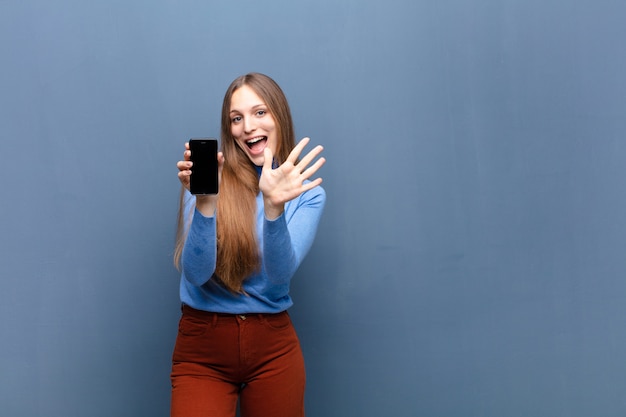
[{"x": 471, "y": 260}]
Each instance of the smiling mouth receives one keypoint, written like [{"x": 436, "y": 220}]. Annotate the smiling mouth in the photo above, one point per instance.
[{"x": 252, "y": 143}]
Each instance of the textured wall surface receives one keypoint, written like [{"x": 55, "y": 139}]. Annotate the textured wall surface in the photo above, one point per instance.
[{"x": 471, "y": 260}]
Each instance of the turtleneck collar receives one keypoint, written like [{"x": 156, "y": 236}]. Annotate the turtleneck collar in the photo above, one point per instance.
[{"x": 260, "y": 169}]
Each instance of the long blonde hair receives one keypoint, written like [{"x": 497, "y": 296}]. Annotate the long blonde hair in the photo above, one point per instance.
[{"x": 238, "y": 254}]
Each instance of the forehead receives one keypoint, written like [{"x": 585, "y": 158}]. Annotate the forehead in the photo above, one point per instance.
[{"x": 245, "y": 98}]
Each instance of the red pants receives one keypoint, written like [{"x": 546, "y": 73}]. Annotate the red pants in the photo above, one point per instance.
[{"x": 219, "y": 358}]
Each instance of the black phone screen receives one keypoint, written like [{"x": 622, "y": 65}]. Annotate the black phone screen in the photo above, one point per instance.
[{"x": 204, "y": 170}]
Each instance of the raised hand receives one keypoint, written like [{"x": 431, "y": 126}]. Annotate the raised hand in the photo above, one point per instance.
[{"x": 287, "y": 182}]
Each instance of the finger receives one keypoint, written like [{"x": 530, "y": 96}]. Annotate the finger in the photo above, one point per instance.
[
  {"x": 183, "y": 177},
  {"x": 304, "y": 162},
  {"x": 220, "y": 161},
  {"x": 220, "y": 166},
  {"x": 313, "y": 168},
  {"x": 268, "y": 157},
  {"x": 310, "y": 185},
  {"x": 295, "y": 153},
  {"x": 184, "y": 174},
  {"x": 184, "y": 165}
]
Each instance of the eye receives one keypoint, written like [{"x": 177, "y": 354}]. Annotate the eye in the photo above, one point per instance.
[
  {"x": 261, "y": 113},
  {"x": 236, "y": 119}
]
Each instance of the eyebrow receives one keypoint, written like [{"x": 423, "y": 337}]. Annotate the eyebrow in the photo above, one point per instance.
[{"x": 251, "y": 108}]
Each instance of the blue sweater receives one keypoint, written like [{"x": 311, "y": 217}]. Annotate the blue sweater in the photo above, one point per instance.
[{"x": 284, "y": 242}]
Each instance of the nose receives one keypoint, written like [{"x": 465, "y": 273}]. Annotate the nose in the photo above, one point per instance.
[{"x": 248, "y": 124}]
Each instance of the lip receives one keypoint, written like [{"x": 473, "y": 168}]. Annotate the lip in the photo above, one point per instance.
[
  {"x": 256, "y": 145},
  {"x": 254, "y": 139}
]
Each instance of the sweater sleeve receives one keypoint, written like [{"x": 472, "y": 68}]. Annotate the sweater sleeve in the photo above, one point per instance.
[
  {"x": 288, "y": 238},
  {"x": 200, "y": 250}
]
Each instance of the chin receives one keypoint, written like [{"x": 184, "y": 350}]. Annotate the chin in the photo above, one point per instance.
[{"x": 258, "y": 161}]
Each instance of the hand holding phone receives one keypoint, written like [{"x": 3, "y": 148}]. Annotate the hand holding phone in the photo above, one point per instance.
[{"x": 204, "y": 178}]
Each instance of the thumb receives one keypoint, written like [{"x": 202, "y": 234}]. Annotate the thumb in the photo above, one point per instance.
[{"x": 268, "y": 157}]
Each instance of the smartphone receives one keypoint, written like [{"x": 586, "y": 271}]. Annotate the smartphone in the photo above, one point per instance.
[{"x": 204, "y": 170}]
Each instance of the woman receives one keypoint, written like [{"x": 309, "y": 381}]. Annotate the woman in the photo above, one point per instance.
[{"x": 238, "y": 251}]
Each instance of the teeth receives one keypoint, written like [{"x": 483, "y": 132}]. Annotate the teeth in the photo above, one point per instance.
[{"x": 255, "y": 140}]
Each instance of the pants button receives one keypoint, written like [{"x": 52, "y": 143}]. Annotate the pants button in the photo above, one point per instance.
[{"x": 242, "y": 316}]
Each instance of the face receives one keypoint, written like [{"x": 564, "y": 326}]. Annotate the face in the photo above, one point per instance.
[{"x": 252, "y": 125}]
